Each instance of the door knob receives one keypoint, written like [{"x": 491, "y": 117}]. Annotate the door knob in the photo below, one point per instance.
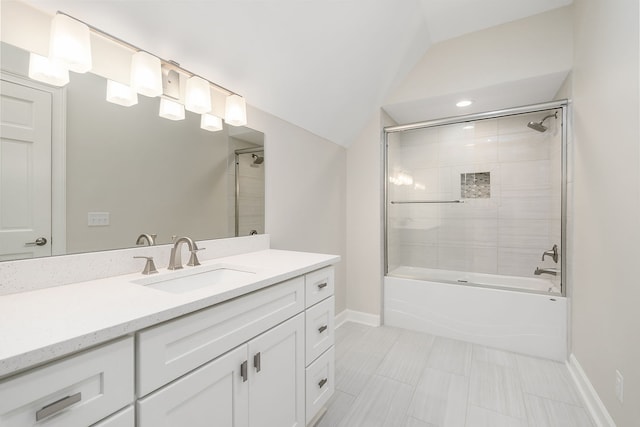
[{"x": 40, "y": 241}]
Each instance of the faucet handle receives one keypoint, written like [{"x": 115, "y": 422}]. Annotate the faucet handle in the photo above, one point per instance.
[
  {"x": 193, "y": 259},
  {"x": 150, "y": 266},
  {"x": 553, "y": 253}
]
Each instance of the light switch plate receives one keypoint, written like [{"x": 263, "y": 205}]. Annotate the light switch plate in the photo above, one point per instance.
[{"x": 98, "y": 219}]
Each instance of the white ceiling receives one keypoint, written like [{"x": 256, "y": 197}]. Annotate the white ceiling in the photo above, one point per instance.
[{"x": 324, "y": 65}]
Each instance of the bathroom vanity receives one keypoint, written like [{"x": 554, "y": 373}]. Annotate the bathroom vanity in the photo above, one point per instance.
[{"x": 252, "y": 348}]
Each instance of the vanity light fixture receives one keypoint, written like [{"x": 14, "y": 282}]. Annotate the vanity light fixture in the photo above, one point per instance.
[
  {"x": 464, "y": 103},
  {"x": 198, "y": 95},
  {"x": 70, "y": 43},
  {"x": 70, "y": 49},
  {"x": 235, "y": 110},
  {"x": 121, "y": 94},
  {"x": 210, "y": 122},
  {"x": 171, "y": 110},
  {"x": 146, "y": 74},
  {"x": 47, "y": 71}
]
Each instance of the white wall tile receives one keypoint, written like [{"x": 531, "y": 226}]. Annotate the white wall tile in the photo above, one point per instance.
[{"x": 464, "y": 258}]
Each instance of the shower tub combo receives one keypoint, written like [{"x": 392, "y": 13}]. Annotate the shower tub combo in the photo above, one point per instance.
[{"x": 475, "y": 221}]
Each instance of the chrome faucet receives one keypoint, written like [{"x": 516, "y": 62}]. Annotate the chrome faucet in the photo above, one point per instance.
[
  {"x": 552, "y": 271},
  {"x": 175, "y": 259},
  {"x": 553, "y": 253},
  {"x": 150, "y": 238}
]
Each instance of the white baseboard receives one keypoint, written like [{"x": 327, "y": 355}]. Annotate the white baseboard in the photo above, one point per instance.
[
  {"x": 357, "y": 317},
  {"x": 592, "y": 402}
]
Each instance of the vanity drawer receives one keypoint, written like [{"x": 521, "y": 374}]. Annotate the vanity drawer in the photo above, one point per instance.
[
  {"x": 76, "y": 391},
  {"x": 320, "y": 383},
  {"x": 319, "y": 328},
  {"x": 319, "y": 285},
  {"x": 124, "y": 418},
  {"x": 170, "y": 350}
]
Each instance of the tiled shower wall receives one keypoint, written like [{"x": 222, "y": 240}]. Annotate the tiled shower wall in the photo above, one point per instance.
[{"x": 502, "y": 229}]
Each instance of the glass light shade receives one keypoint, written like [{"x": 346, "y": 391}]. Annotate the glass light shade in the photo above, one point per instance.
[
  {"x": 171, "y": 110},
  {"x": 198, "y": 95},
  {"x": 235, "y": 111},
  {"x": 47, "y": 71},
  {"x": 70, "y": 43},
  {"x": 146, "y": 74},
  {"x": 121, "y": 94},
  {"x": 211, "y": 123}
]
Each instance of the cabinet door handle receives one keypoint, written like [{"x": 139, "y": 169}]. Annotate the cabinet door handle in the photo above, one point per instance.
[
  {"x": 322, "y": 285},
  {"x": 256, "y": 361},
  {"x": 244, "y": 371},
  {"x": 40, "y": 241},
  {"x": 322, "y": 328},
  {"x": 322, "y": 382},
  {"x": 58, "y": 406}
]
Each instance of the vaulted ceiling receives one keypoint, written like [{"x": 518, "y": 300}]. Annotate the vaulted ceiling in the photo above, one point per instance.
[{"x": 323, "y": 65}]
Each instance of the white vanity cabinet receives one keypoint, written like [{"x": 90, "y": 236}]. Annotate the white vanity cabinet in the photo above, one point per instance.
[
  {"x": 76, "y": 391},
  {"x": 259, "y": 384},
  {"x": 261, "y": 359},
  {"x": 239, "y": 363}
]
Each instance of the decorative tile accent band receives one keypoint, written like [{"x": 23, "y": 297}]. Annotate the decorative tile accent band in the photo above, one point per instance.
[{"x": 475, "y": 185}]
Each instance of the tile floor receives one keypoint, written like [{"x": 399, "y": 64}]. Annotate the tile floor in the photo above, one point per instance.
[{"x": 393, "y": 377}]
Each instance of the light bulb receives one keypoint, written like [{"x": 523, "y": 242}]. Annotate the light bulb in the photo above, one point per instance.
[
  {"x": 121, "y": 94},
  {"x": 70, "y": 43},
  {"x": 48, "y": 71},
  {"x": 171, "y": 110},
  {"x": 146, "y": 74},
  {"x": 235, "y": 111},
  {"x": 198, "y": 95},
  {"x": 211, "y": 123}
]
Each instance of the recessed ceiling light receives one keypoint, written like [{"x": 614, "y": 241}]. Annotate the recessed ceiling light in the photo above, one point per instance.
[
  {"x": 464, "y": 103},
  {"x": 468, "y": 127}
]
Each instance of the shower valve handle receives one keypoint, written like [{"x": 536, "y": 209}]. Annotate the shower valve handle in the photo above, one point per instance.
[{"x": 553, "y": 253}]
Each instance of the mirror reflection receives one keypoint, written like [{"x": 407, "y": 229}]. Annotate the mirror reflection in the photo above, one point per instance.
[{"x": 86, "y": 175}]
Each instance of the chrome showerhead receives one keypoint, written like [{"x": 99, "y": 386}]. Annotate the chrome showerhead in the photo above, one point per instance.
[
  {"x": 539, "y": 126},
  {"x": 257, "y": 160}
]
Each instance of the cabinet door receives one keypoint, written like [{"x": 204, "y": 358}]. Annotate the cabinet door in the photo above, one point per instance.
[
  {"x": 276, "y": 393},
  {"x": 215, "y": 394}
]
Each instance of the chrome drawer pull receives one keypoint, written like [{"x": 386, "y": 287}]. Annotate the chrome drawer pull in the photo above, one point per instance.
[
  {"x": 322, "y": 328},
  {"x": 256, "y": 361},
  {"x": 244, "y": 372},
  {"x": 58, "y": 406},
  {"x": 322, "y": 285},
  {"x": 322, "y": 382}
]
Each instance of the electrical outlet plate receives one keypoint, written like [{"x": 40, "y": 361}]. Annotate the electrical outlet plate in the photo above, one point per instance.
[
  {"x": 98, "y": 219},
  {"x": 619, "y": 385}
]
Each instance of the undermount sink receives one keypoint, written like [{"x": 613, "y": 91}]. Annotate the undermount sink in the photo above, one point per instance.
[{"x": 191, "y": 279}]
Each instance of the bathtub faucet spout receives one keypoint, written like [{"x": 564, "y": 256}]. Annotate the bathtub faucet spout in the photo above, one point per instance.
[{"x": 552, "y": 271}]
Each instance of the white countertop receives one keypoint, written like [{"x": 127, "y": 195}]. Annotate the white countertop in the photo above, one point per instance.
[{"x": 42, "y": 325}]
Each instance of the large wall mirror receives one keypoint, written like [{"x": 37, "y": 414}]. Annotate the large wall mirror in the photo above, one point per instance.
[{"x": 106, "y": 174}]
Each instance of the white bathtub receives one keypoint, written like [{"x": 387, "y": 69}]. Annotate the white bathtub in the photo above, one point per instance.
[
  {"x": 543, "y": 284},
  {"x": 532, "y": 323}
]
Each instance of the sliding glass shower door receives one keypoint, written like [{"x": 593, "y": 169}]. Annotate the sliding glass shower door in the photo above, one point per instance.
[{"x": 478, "y": 201}]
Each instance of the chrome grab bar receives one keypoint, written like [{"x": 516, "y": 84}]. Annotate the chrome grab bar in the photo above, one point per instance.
[{"x": 402, "y": 202}]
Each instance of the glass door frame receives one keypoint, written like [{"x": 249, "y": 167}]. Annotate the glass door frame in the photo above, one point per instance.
[{"x": 563, "y": 104}]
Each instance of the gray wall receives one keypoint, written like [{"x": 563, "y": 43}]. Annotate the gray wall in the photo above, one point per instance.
[
  {"x": 606, "y": 187},
  {"x": 151, "y": 174}
]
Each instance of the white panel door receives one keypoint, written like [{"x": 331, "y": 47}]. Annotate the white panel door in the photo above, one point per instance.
[
  {"x": 25, "y": 172},
  {"x": 213, "y": 395},
  {"x": 276, "y": 380}
]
